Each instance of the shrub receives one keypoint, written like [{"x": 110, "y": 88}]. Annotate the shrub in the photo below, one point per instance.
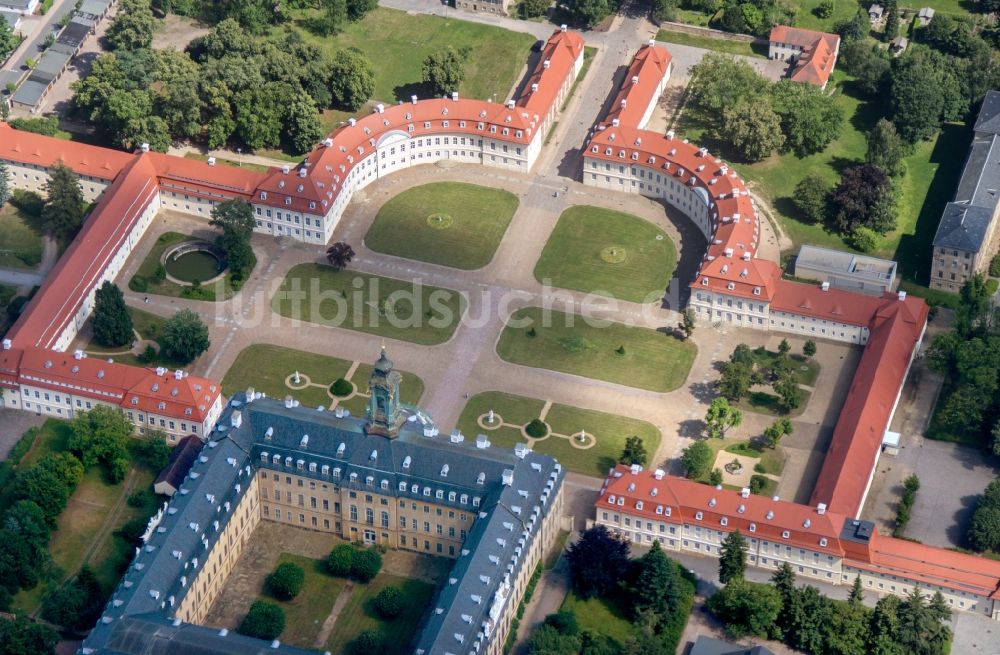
[
  {"x": 365, "y": 564},
  {"x": 27, "y": 201},
  {"x": 148, "y": 355},
  {"x": 160, "y": 273},
  {"x": 389, "y": 603},
  {"x": 341, "y": 388},
  {"x": 537, "y": 428},
  {"x": 995, "y": 265},
  {"x": 340, "y": 560},
  {"x": 366, "y": 643},
  {"x": 757, "y": 483},
  {"x": 138, "y": 284},
  {"x": 140, "y": 498},
  {"x": 265, "y": 620},
  {"x": 285, "y": 582},
  {"x": 715, "y": 477}
]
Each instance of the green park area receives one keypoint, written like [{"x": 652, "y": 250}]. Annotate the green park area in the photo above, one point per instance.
[
  {"x": 397, "y": 309},
  {"x": 271, "y": 370},
  {"x": 20, "y": 239},
  {"x": 250, "y": 166},
  {"x": 151, "y": 277},
  {"x": 583, "y": 440},
  {"x": 607, "y": 252},
  {"x": 447, "y": 223},
  {"x": 632, "y": 356},
  {"x": 359, "y": 615},
  {"x": 714, "y": 43},
  {"x": 149, "y": 327},
  {"x": 305, "y": 614}
]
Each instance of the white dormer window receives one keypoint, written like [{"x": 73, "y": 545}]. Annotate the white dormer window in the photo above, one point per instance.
[
  {"x": 288, "y": 201},
  {"x": 638, "y": 505},
  {"x": 753, "y": 527},
  {"x": 611, "y": 499},
  {"x": 785, "y": 534},
  {"x": 724, "y": 521},
  {"x": 822, "y": 542},
  {"x": 263, "y": 195},
  {"x": 697, "y": 516},
  {"x": 756, "y": 291}
]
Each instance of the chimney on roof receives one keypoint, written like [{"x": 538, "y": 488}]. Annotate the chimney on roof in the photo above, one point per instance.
[
  {"x": 77, "y": 354},
  {"x": 211, "y": 161},
  {"x": 670, "y": 134},
  {"x": 328, "y": 142},
  {"x": 652, "y": 42},
  {"x": 745, "y": 492},
  {"x": 658, "y": 474},
  {"x": 635, "y": 79},
  {"x": 454, "y": 96},
  {"x": 510, "y": 104},
  {"x": 615, "y": 122},
  {"x": 821, "y": 509},
  {"x": 562, "y": 28},
  {"x": 545, "y": 64},
  {"x": 635, "y": 468},
  {"x": 303, "y": 172},
  {"x": 351, "y": 122},
  {"x": 624, "y": 102},
  {"x": 285, "y": 169},
  {"x": 534, "y": 87},
  {"x": 901, "y": 295},
  {"x": 380, "y": 108},
  {"x": 825, "y": 286},
  {"x": 413, "y": 99},
  {"x": 178, "y": 374},
  {"x": 6, "y": 344},
  {"x": 144, "y": 147},
  {"x": 160, "y": 370}
]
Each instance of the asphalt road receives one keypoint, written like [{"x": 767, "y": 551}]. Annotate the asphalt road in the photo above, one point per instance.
[{"x": 16, "y": 66}]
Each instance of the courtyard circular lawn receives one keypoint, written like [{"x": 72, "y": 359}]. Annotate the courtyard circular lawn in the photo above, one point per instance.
[
  {"x": 449, "y": 223},
  {"x": 607, "y": 252}
]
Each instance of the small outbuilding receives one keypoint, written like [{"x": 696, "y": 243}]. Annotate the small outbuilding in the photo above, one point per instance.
[
  {"x": 709, "y": 646},
  {"x": 875, "y": 13},
  {"x": 924, "y": 16},
  {"x": 898, "y": 45},
  {"x": 181, "y": 458}
]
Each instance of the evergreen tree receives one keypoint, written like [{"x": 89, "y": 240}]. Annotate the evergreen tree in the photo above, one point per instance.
[
  {"x": 634, "y": 452},
  {"x": 857, "y": 594},
  {"x": 235, "y": 219},
  {"x": 597, "y": 562},
  {"x": 655, "y": 586},
  {"x": 112, "y": 323},
  {"x": 184, "y": 336},
  {"x": 4, "y": 182},
  {"x": 732, "y": 557},
  {"x": 64, "y": 205},
  {"x": 883, "y": 627}
]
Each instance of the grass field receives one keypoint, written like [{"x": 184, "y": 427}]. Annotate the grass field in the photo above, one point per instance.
[
  {"x": 744, "y": 48},
  {"x": 20, "y": 242},
  {"x": 397, "y": 43},
  {"x": 388, "y": 307},
  {"x": 600, "y": 616},
  {"x": 447, "y": 223},
  {"x": 148, "y": 326},
  {"x": 265, "y": 368},
  {"x": 607, "y": 252},
  {"x": 359, "y": 615},
  {"x": 304, "y": 614},
  {"x": 250, "y": 166},
  {"x": 222, "y": 290},
  {"x": 651, "y": 360},
  {"x": 610, "y": 430}
]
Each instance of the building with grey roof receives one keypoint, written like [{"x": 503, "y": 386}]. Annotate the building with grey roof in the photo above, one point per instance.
[
  {"x": 389, "y": 478},
  {"x": 966, "y": 236},
  {"x": 845, "y": 270},
  {"x": 25, "y": 7}
]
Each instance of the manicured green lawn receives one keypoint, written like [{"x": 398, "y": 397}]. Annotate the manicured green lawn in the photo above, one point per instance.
[
  {"x": 222, "y": 290},
  {"x": 607, "y": 252},
  {"x": 709, "y": 43},
  {"x": 610, "y": 430},
  {"x": 20, "y": 242},
  {"x": 772, "y": 460},
  {"x": 397, "y": 43},
  {"x": 305, "y": 614},
  {"x": 448, "y": 223},
  {"x": 148, "y": 326},
  {"x": 806, "y": 370},
  {"x": 600, "y": 616},
  {"x": 397, "y": 309},
  {"x": 359, "y": 615},
  {"x": 228, "y": 162},
  {"x": 651, "y": 360},
  {"x": 265, "y": 368}
]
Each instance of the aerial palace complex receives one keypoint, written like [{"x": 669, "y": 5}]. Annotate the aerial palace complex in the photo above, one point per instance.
[{"x": 367, "y": 476}]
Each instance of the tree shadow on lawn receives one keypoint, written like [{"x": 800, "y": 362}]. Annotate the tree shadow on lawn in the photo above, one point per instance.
[
  {"x": 405, "y": 92},
  {"x": 914, "y": 251}
]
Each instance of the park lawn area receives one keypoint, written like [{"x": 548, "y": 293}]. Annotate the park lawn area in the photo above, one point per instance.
[
  {"x": 217, "y": 292},
  {"x": 250, "y": 166},
  {"x": 652, "y": 360},
  {"x": 369, "y": 303},
  {"x": 609, "y": 253},
  {"x": 397, "y": 43},
  {"x": 20, "y": 241},
  {"x": 806, "y": 371},
  {"x": 359, "y": 615},
  {"x": 764, "y": 402},
  {"x": 599, "y": 616},
  {"x": 610, "y": 430},
  {"x": 265, "y": 368},
  {"x": 707, "y": 42},
  {"x": 772, "y": 460},
  {"x": 447, "y": 223},
  {"x": 305, "y": 614}
]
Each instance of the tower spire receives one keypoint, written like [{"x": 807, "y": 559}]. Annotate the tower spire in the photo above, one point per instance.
[{"x": 383, "y": 413}]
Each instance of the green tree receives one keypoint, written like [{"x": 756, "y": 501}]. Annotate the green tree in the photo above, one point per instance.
[
  {"x": 217, "y": 114},
  {"x": 365, "y": 564},
  {"x": 564, "y": 622},
  {"x": 152, "y": 450},
  {"x": 921, "y": 625},
  {"x": 864, "y": 238},
  {"x": 444, "y": 70},
  {"x": 687, "y": 322},
  {"x": 720, "y": 81},
  {"x": 916, "y": 98},
  {"x": 864, "y": 198},
  {"x": 776, "y": 431},
  {"x": 265, "y": 620},
  {"x": 784, "y": 348},
  {"x": 132, "y": 27},
  {"x": 697, "y": 460},
  {"x": 634, "y": 452},
  {"x": 546, "y": 640},
  {"x": 810, "y": 119},
  {"x": 855, "y": 28},
  {"x": 22, "y": 636},
  {"x": 111, "y": 322},
  {"x": 64, "y": 206},
  {"x": 808, "y": 613},
  {"x": 258, "y": 115},
  {"x": 715, "y": 477},
  {"x": 788, "y": 390},
  {"x": 285, "y": 582},
  {"x": 732, "y": 557},
  {"x": 332, "y": 18},
  {"x": 886, "y": 149},
  {"x": 533, "y": 8},
  {"x": 891, "y": 20},
  {"x": 131, "y": 122},
  {"x": 100, "y": 436},
  {"x": 868, "y": 64},
  {"x": 175, "y": 92},
  {"x": 753, "y": 129},
  {"x": 77, "y": 604},
  {"x": 340, "y": 559},
  {"x": 587, "y": 13},
  {"x": 809, "y": 348},
  {"x": 302, "y": 124},
  {"x": 720, "y": 417},
  {"x": 597, "y": 562},
  {"x": 4, "y": 184},
  {"x": 236, "y": 221},
  {"x": 8, "y": 40},
  {"x": 352, "y": 79},
  {"x": 389, "y": 603},
  {"x": 811, "y": 197},
  {"x": 655, "y": 586},
  {"x": 45, "y": 489},
  {"x": 358, "y": 9},
  {"x": 184, "y": 336},
  {"x": 883, "y": 628},
  {"x": 746, "y": 608},
  {"x": 857, "y": 594},
  {"x": 824, "y": 9},
  {"x": 339, "y": 255}
]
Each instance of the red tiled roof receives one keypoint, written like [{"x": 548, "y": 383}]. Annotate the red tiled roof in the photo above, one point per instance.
[
  {"x": 30, "y": 148},
  {"x": 640, "y": 87},
  {"x": 760, "y": 516},
  {"x": 561, "y": 52},
  {"x": 895, "y": 329},
  {"x": 832, "y": 304},
  {"x": 819, "y": 52},
  {"x": 934, "y": 566}
]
